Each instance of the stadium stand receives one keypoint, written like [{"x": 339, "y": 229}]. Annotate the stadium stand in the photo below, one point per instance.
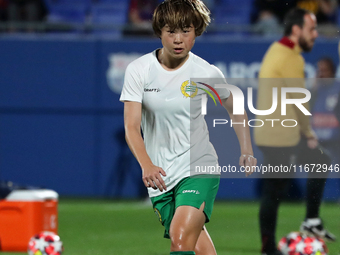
[
  {"x": 99, "y": 16},
  {"x": 231, "y": 12},
  {"x": 108, "y": 18},
  {"x": 67, "y": 16}
]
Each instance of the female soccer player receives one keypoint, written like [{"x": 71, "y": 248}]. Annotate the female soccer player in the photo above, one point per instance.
[{"x": 156, "y": 97}]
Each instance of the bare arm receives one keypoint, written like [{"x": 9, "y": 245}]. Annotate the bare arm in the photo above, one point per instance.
[
  {"x": 132, "y": 120},
  {"x": 243, "y": 135}
]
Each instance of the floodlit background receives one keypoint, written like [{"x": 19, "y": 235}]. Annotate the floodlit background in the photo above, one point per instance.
[{"x": 62, "y": 65}]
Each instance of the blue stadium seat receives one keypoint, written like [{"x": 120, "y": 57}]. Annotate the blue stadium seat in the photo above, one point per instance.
[
  {"x": 110, "y": 1},
  {"x": 232, "y": 15},
  {"x": 232, "y": 12},
  {"x": 70, "y": 13},
  {"x": 234, "y": 2},
  {"x": 51, "y": 3},
  {"x": 67, "y": 17},
  {"x": 108, "y": 15}
]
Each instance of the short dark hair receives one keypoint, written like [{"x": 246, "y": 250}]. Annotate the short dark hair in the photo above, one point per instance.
[
  {"x": 180, "y": 14},
  {"x": 294, "y": 17},
  {"x": 329, "y": 62}
]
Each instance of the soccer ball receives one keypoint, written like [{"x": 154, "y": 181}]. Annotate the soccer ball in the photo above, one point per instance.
[
  {"x": 45, "y": 243},
  {"x": 296, "y": 243}
]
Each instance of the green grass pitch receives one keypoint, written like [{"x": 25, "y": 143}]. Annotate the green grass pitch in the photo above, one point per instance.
[{"x": 97, "y": 227}]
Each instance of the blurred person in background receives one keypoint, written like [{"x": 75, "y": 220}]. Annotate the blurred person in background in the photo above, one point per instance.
[
  {"x": 280, "y": 144},
  {"x": 267, "y": 15},
  {"x": 3, "y": 10},
  {"x": 337, "y": 107},
  {"x": 325, "y": 96},
  {"x": 140, "y": 18},
  {"x": 25, "y": 11},
  {"x": 325, "y": 10}
]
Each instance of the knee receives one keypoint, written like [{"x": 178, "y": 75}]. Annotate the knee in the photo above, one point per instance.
[
  {"x": 199, "y": 250},
  {"x": 179, "y": 242}
]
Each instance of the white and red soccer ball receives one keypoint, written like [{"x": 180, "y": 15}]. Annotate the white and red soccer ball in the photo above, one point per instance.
[
  {"x": 45, "y": 243},
  {"x": 296, "y": 243}
]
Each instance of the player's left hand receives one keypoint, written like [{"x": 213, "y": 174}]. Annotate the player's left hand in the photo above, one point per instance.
[
  {"x": 248, "y": 162},
  {"x": 312, "y": 142}
]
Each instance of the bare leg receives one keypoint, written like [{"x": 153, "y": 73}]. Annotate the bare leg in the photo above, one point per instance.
[
  {"x": 204, "y": 245},
  {"x": 186, "y": 227}
]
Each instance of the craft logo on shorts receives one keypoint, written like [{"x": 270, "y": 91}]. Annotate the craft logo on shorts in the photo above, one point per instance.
[
  {"x": 192, "y": 191},
  {"x": 158, "y": 214}
]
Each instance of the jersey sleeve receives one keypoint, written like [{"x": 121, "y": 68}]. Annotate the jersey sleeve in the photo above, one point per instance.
[
  {"x": 133, "y": 85},
  {"x": 218, "y": 75}
]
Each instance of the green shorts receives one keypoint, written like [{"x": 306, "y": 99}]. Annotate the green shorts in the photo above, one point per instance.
[{"x": 192, "y": 191}]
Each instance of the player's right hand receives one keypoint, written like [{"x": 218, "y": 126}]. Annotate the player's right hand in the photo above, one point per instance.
[
  {"x": 248, "y": 161},
  {"x": 152, "y": 177}
]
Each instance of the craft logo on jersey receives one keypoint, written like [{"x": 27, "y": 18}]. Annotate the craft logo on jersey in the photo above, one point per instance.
[
  {"x": 190, "y": 90},
  {"x": 152, "y": 90}
]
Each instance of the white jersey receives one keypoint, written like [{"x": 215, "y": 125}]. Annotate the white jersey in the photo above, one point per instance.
[{"x": 175, "y": 133}]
